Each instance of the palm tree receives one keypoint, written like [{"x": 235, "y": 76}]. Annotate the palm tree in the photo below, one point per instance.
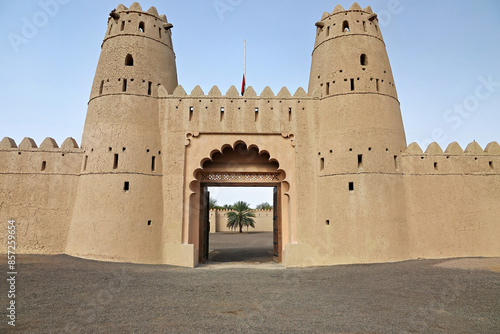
[
  {"x": 241, "y": 216},
  {"x": 264, "y": 206},
  {"x": 212, "y": 203}
]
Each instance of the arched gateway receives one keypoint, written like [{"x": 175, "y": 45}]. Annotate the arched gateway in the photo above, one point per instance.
[{"x": 248, "y": 161}]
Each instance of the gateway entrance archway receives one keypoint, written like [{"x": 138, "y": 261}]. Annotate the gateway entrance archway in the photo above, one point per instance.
[
  {"x": 243, "y": 163},
  {"x": 206, "y": 221}
]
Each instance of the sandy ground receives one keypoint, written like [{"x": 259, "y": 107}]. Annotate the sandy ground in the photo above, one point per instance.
[{"x": 62, "y": 294}]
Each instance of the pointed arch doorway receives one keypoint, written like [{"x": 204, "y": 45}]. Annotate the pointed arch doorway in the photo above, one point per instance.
[
  {"x": 244, "y": 160},
  {"x": 205, "y": 217}
]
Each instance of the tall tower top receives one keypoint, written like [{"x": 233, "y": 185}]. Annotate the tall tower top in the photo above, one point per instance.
[
  {"x": 342, "y": 22},
  {"x": 136, "y": 7}
]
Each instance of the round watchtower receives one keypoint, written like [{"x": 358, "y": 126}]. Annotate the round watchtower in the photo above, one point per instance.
[
  {"x": 118, "y": 210},
  {"x": 360, "y": 137}
]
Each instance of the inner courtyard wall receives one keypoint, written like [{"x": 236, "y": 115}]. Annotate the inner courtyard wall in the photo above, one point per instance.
[{"x": 263, "y": 221}]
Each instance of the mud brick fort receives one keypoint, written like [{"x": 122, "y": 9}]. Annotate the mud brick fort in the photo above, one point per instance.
[{"x": 347, "y": 186}]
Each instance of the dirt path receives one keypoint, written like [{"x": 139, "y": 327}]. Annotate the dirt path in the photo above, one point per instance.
[{"x": 60, "y": 294}]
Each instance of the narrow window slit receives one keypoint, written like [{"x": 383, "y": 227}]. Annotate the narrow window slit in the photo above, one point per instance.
[
  {"x": 142, "y": 27},
  {"x": 101, "y": 88},
  {"x": 364, "y": 60},
  {"x": 44, "y": 165},
  {"x": 360, "y": 161},
  {"x": 435, "y": 166},
  {"x": 153, "y": 163},
  {"x": 378, "y": 85},
  {"x": 396, "y": 163},
  {"x": 123, "y": 26},
  {"x": 222, "y": 113},
  {"x": 85, "y": 161},
  {"x": 150, "y": 85},
  {"x": 322, "y": 164},
  {"x": 327, "y": 88},
  {"x": 351, "y": 186},
  {"x": 345, "y": 26},
  {"x": 115, "y": 162},
  {"x": 126, "y": 186},
  {"x": 352, "y": 84},
  {"x": 256, "y": 114},
  {"x": 491, "y": 164},
  {"x": 129, "y": 60},
  {"x": 159, "y": 32},
  {"x": 289, "y": 114},
  {"x": 150, "y": 222},
  {"x": 191, "y": 111},
  {"x": 124, "y": 85}
]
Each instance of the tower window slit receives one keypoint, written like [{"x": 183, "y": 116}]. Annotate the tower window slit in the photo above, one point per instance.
[
  {"x": 44, "y": 165},
  {"x": 85, "y": 160},
  {"x": 396, "y": 163},
  {"x": 364, "y": 60},
  {"x": 150, "y": 85},
  {"x": 378, "y": 85},
  {"x": 222, "y": 113},
  {"x": 351, "y": 186},
  {"x": 129, "y": 60},
  {"x": 322, "y": 164},
  {"x": 327, "y": 88},
  {"x": 256, "y": 114},
  {"x": 364, "y": 26},
  {"x": 159, "y": 32},
  {"x": 126, "y": 186},
  {"x": 122, "y": 26},
  {"x": 289, "y": 114},
  {"x": 142, "y": 27},
  {"x": 491, "y": 164},
  {"x": 328, "y": 31},
  {"x": 360, "y": 161},
  {"x": 124, "y": 85},
  {"x": 153, "y": 163},
  {"x": 345, "y": 26},
  {"x": 101, "y": 87},
  {"x": 436, "y": 166},
  {"x": 115, "y": 162},
  {"x": 352, "y": 84},
  {"x": 110, "y": 27},
  {"x": 191, "y": 111}
]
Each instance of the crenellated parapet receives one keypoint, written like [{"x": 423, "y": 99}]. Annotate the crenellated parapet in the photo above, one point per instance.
[
  {"x": 48, "y": 158},
  {"x": 216, "y": 112},
  {"x": 453, "y": 160},
  {"x": 341, "y": 22}
]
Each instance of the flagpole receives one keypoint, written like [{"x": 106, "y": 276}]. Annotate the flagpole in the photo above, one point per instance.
[{"x": 245, "y": 57}]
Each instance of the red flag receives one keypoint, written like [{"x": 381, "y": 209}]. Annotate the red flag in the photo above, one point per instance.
[{"x": 243, "y": 85}]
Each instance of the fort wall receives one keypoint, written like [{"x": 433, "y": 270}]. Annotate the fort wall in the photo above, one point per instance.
[{"x": 38, "y": 189}]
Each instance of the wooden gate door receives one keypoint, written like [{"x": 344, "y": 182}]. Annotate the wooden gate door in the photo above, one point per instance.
[
  {"x": 276, "y": 228},
  {"x": 205, "y": 224}
]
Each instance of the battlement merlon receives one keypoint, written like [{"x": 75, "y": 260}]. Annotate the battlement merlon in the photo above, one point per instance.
[{"x": 232, "y": 92}]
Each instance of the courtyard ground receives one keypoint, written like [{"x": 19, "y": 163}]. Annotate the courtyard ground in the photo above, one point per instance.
[{"x": 62, "y": 294}]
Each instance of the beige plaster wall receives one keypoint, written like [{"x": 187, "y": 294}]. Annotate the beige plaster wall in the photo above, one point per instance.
[{"x": 40, "y": 201}]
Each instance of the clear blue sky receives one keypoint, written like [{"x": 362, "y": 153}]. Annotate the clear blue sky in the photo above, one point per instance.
[{"x": 439, "y": 51}]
